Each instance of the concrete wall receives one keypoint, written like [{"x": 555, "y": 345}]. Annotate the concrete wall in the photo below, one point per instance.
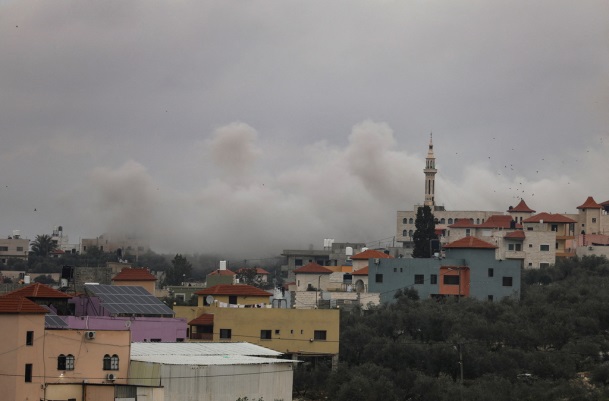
[{"x": 141, "y": 328}]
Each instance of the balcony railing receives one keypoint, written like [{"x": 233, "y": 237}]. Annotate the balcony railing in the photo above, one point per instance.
[{"x": 202, "y": 336}]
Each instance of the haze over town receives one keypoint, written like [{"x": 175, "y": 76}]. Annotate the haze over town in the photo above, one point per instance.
[{"x": 252, "y": 127}]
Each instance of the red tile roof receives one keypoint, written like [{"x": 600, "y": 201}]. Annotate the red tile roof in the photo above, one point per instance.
[
  {"x": 463, "y": 223},
  {"x": 224, "y": 272},
  {"x": 361, "y": 272},
  {"x": 20, "y": 305},
  {"x": 521, "y": 207},
  {"x": 498, "y": 221},
  {"x": 37, "y": 290},
  {"x": 313, "y": 268},
  {"x": 519, "y": 235},
  {"x": 548, "y": 218},
  {"x": 234, "y": 289},
  {"x": 590, "y": 203},
  {"x": 470, "y": 242},
  {"x": 205, "y": 319},
  {"x": 370, "y": 254},
  {"x": 129, "y": 274}
]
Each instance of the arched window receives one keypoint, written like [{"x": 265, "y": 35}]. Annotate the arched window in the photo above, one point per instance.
[
  {"x": 442, "y": 220},
  {"x": 110, "y": 362},
  {"x": 65, "y": 362},
  {"x": 477, "y": 221},
  {"x": 410, "y": 233},
  {"x": 404, "y": 233},
  {"x": 450, "y": 220},
  {"x": 404, "y": 220},
  {"x": 410, "y": 221}
]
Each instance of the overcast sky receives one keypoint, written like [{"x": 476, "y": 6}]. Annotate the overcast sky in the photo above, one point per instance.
[{"x": 256, "y": 126}]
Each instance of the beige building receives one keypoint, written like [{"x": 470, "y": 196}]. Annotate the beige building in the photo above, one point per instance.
[
  {"x": 14, "y": 247},
  {"x": 61, "y": 364}
]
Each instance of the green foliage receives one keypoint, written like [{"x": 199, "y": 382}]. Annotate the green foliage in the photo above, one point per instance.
[
  {"x": 43, "y": 245},
  {"x": 45, "y": 279},
  {"x": 424, "y": 233},
  {"x": 180, "y": 270},
  {"x": 553, "y": 344}
]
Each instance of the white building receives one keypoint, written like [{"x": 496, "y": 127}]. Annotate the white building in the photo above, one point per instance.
[{"x": 212, "y": 371}]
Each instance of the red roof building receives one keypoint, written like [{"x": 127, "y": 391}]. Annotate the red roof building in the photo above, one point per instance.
[
  {"x": 549, "y": 218},
  {"x": 499, "y": 221},
  {"x": 370, "y": 254},
  {"x": 236, "y": 289},
  {"x": 515, "y": 235},
  {"x": 312, "y": 268},
  {"x": 131, "y": 274},
  {"x": 37, "y": 290},
  {"x": 16, "y": 304},
  {"x": 521, "y": 207},
  {"x": 471, "y": 243},
  {"x": 361, "y": 272},
  {"x": 590, "y": 203}
]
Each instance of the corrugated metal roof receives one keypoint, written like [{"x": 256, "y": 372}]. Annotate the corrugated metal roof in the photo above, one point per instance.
[
  {"x": 199, "y": 349},
  {"x": 208, "y": 360}
]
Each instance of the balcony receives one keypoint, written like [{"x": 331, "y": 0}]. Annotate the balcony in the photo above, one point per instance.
[
  {"x": 202, "y": 336},
  {"x": 514, "y": 255}
]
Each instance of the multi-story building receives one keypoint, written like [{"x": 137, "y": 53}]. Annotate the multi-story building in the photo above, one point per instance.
[
  {"x": 244, "y": 313},
  {"x": 14, "y": 247},
  {"x": 443, "y": 218},
  {"x": 470, "y": 269},
  {"x": 333, "y": 254},
  {"x": 121, "y": 244}
]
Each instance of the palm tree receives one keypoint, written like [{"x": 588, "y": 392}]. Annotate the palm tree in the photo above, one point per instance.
[{"x": 43, "y": 245}]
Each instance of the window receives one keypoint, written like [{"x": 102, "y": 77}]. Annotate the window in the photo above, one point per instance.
[
  {"x": 28, "y": 372},
  {"x": 467, "y": 232},
  {"x": 491, "y": 272},
  {"x": 297, "y": 262},
  {"x": 542, "y": 264},
  {"x": 530, "y": 264},
  {"x": 378, "y": 278},
  {"x": 511, "y": 247},
  {"x": 490, "y": 298},
  {"x": 3, "y": 248},
  {"x": 530, "y": 245},
  {"x": 450, "y": 220},
  {"x": 226, "y": 334},
  {"x": 477, "y": 221},
  {"x": 401, "y": 270},
  {"x": 405, "y": 233},
  {"x": 419, "y": 279},
  {"x": 554, "y": 227},
  {"x": 507, "y": 281},
  {"x": 319, "y": 335},
  {"x": 544, "y": 248},
  {"x": 29, "y": 338},
  {"x": 410, "y": 233},
  {"x": 65, "y": 362},
  {"x": 265, "y": 335},
  {"x": 395, "y": 269},
  {"x": 232, "y": 300},
  {"x": 410, "y": 221},
  {"x": 404, "y": 220},
  {"x": 442, "y": 220},
  {"x": 594, "y": 219},
  {"x": 433, "y": 279},
  {"x": 19, "y": 249},
  {"x": 110, "y": 362},
  {"x": 451, "y": 280},
  {"x": 277, "y": 332},
  {"x": 529, "y": 228}
]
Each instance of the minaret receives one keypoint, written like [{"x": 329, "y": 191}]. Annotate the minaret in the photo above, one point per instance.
[{"x": 430, "y": 176}]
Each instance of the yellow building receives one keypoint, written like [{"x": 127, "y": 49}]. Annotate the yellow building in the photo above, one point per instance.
[{"x": 296, "y": 332}]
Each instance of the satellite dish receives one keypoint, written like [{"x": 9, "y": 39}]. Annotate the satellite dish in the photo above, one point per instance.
[
  {"x": 128, "y": 323},
  {"x": 209, "y": 299}
]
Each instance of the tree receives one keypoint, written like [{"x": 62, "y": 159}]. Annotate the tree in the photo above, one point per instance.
[
  {"x": 43, "y": 245},
  {"x": 180, "y": 270},
  {"x": 424, "y": 234}
]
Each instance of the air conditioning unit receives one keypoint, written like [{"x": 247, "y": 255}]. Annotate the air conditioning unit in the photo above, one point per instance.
[
  {"x": 89, "y": 335},
  {"x": 111, "y": 377}
]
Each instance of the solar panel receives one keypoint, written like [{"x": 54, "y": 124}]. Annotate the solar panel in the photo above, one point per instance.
[
  {"x": 54, "y": 322},
  {"x": 129, "y": 300}
]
